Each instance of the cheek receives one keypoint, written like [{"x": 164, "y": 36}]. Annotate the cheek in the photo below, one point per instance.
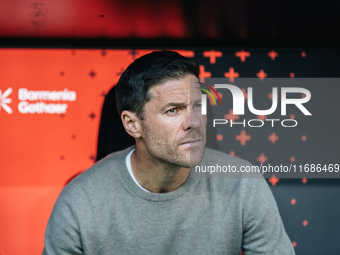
[
  {"x": 204, "y": 121},
  {"x": 165, "y": 129}
]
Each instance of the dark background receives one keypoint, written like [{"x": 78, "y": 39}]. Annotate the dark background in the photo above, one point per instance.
[
  {"x": 288, "y": 27},
  {"x": 138, "y": 23}
]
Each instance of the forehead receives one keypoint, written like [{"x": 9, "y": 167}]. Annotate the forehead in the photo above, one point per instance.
[{"x": 181, "y": 89}]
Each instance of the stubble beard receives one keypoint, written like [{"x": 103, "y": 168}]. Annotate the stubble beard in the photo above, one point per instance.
[{"x": 169, "y": 154}]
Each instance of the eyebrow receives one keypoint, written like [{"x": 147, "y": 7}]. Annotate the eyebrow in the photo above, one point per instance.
[
  {"x": 178, "y": 104},
  {"x": 198, "y": 100},
  {"x": 173, "y": 104}
]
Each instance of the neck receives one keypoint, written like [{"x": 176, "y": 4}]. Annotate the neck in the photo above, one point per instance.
[{"x": 155, "y": 175}]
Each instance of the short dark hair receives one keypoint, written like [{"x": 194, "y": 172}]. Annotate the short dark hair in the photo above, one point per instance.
[{"x": 146, "y": 71}]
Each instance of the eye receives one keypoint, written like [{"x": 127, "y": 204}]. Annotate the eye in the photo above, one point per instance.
[
  {"x": 198, "y": 105},
  {"x": 172, "y": 110}
]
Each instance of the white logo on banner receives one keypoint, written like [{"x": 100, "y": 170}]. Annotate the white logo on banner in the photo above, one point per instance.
[
  {"x": 33, "y": 101},
  {"x": 4, "y": 100}
]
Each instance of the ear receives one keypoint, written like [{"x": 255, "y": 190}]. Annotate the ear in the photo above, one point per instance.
[{"x": 131, "y": 123}]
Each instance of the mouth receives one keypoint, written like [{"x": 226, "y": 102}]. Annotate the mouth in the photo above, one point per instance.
[{"x": 191, "y": 142}]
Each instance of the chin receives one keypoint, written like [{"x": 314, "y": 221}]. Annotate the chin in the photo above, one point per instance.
[
  {"x": 190, "y": 156},
  {"x": 196, "y": 156},
  {"x": 189, "y": 161}
]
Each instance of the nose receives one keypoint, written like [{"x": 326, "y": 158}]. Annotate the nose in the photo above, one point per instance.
[{"x": 192, "y": 119}]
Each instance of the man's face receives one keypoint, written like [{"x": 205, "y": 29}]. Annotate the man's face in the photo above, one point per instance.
[{"x": 173, "y": 129}]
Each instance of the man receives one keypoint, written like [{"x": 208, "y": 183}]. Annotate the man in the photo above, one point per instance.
[{"x": 144, "y": 200}]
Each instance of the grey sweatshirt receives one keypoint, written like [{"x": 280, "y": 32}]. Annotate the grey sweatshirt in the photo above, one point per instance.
[{"x": 103, "y": 211}]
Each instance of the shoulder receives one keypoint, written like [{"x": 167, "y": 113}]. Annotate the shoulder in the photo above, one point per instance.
[
  {"x": 250, "y": 184},
  {"x": 250, "y": 188},
  {"x": 221, "y": 165},
  {"x": 103, "y": 175},
  {"x": 214, "y": 156},
  {"x": 227, "y": 174}
]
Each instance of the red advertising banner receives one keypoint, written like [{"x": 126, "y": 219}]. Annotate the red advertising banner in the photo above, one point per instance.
[{"x": 50, "y": 106}]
